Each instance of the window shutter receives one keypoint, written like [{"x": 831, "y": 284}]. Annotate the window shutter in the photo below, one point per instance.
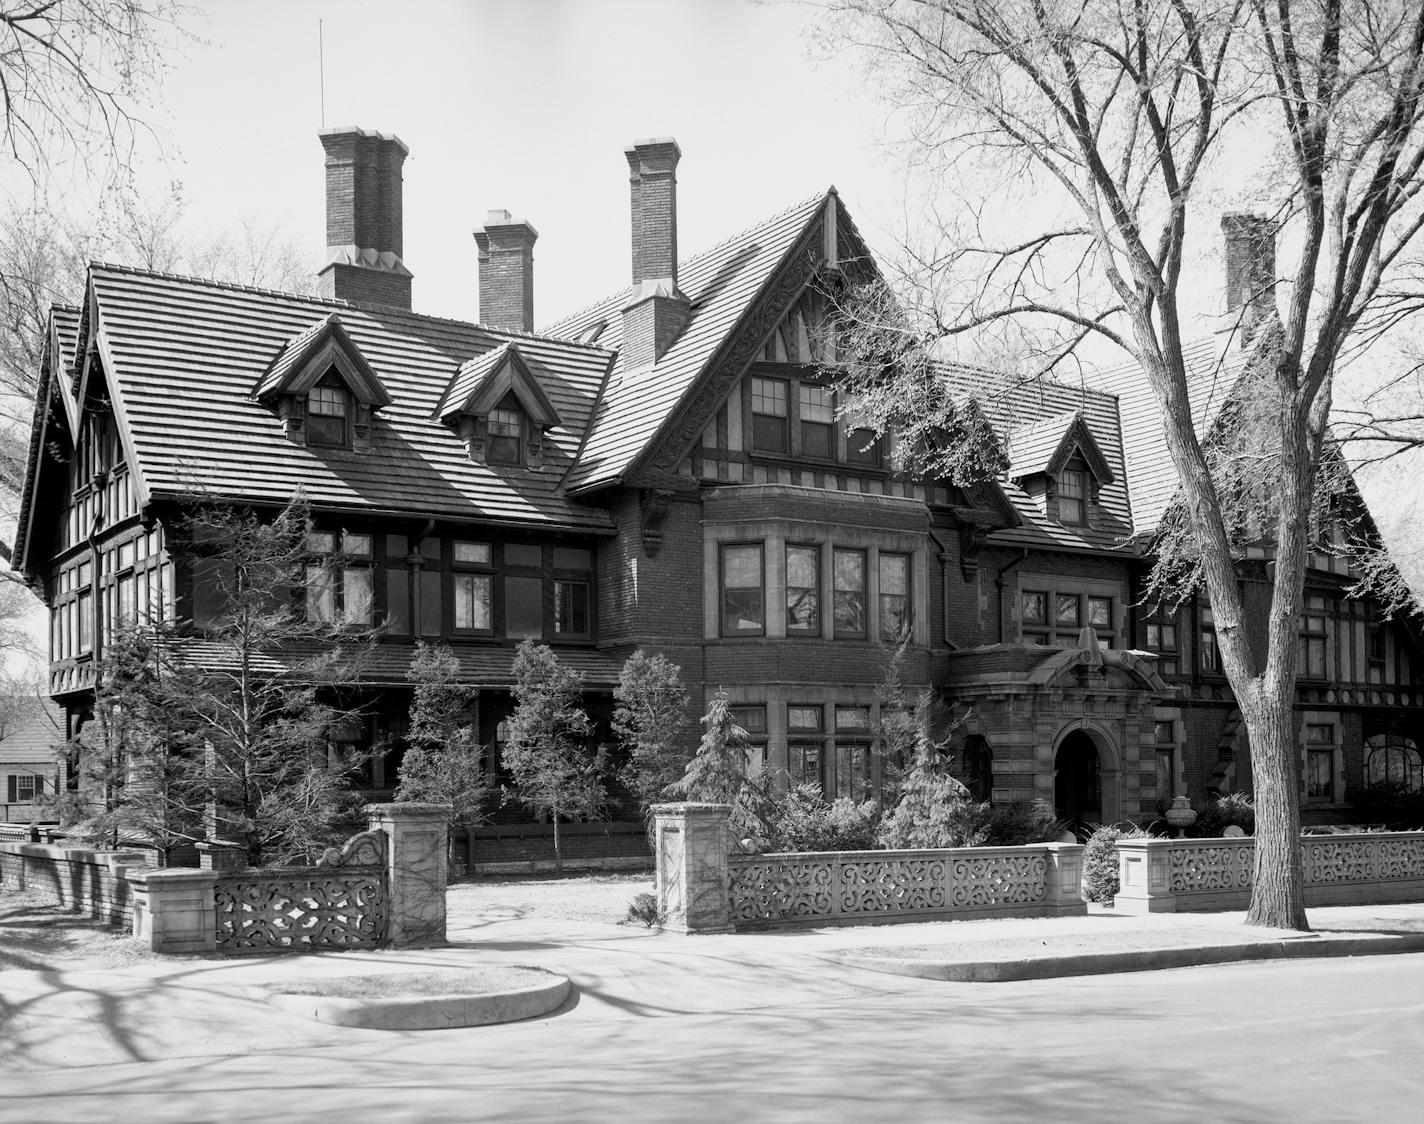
[
  {"x": 11, "y": 797},
  {"x": 39, "y": 786}
]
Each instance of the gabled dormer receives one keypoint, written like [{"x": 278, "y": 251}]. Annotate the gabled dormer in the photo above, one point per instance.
[
  {"x": 323, "y": 389},
  {"x": 1061, "y": 466},
  {"x": 498, "y": 408}
]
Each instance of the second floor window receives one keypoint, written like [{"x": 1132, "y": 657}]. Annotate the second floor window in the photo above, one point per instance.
[
  {"x": 1206, "y": 637},
  {"x": 803, "y": 584},
  {"x": 1160, "y": 636},
  {"x": 894, "y": 597},
  {"x": 1312, "y": 637},
  {"x": 338, "y": 583},
  {"x": 743, "y": 602},
  {"x": 849, "y": 572},
  {"x": 818, "y": 417}
]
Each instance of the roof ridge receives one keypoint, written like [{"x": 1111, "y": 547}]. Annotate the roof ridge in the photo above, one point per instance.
[
  {"x": 690, "y": 259},
  {"x": 334, "y": 303}
]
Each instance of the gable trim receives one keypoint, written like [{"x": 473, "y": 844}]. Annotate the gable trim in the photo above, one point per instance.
[
  {"x": 506, "y": 372},
  {"x": 302, "y": 363}
]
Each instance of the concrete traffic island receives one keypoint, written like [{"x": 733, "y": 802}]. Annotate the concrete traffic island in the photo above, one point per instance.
[{"x": 441, "y": 999}]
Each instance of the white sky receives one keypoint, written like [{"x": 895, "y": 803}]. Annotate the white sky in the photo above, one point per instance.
[{"x": 525, "y": 106}]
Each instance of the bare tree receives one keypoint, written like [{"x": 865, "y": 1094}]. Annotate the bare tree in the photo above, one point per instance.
[
  {"x": 1113, "y": 127},
  {"x": 73, "y": 75}
]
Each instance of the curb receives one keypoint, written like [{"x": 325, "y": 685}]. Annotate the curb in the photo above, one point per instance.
[
  {"x": 427, "y": 1012},
  {"x": 1146, "y": 960}
]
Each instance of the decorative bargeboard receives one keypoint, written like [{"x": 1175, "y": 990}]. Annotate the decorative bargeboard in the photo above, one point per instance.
[{"x": 875, "y": 885}]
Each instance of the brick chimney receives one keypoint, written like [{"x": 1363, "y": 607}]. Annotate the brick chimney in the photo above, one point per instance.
[
  {"x": 506, "y": 246},
  {"x": 364, "y": 233},
  {"x": 1250, "y": 272},
  {"x": 658, "y": 311}
]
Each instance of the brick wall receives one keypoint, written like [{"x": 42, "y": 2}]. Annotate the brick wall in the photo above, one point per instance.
[{"x": 365, "y": 285}]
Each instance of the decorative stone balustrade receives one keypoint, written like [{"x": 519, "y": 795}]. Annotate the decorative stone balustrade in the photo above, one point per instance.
[
  {"x": 701, "y": 888},
  {"x": 1199, "y": 875}
]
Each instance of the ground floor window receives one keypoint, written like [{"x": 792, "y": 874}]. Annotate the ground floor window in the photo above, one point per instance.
[
  {"x": 24, "y": 788},
  {"x": 1322, "y": 749},
  {"x": 1393, "y": 760}
]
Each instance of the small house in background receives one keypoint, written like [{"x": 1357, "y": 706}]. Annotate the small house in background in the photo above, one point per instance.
[
  {"x": 671, "y": 469},
  {"x": 31, "y": 736}
]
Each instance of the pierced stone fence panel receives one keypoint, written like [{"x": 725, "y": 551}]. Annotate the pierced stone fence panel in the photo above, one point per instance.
[
  {"x": 1198, "y": 875},
  {"x": 703, "y": 887},
  {"x": 339, "y": 904}
]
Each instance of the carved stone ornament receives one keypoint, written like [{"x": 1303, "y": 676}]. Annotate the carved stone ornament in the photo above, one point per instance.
[
  {"x": 972, "y": 538},
  {"x": 365, "y": 849},
  {"x": 654, "y": 505}
]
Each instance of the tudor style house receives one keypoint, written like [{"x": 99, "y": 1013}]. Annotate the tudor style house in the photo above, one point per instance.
[{"x": 669, "y": 470}]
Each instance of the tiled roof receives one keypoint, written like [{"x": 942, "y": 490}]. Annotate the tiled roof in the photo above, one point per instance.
[
  {"x": 721, "y": 283},
  {"x": 467, "y": 380},
  {"x": 387, "y": 663},
  {"x": 186, "y": 355},
  {"x": 1213, "y": 366},
  {"x": 35, "y": 735},
  {"x": 1031, "y": 447},
  {"x": 1025, "y": 415}
]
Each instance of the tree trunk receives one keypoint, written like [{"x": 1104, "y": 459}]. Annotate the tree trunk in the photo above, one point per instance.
[
  {"x": 558, "y": 855},
  {"x": 1278, "y": 880}
]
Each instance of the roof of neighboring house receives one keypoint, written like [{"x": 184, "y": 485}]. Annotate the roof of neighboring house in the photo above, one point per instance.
[
  {"x": 387, "y": 662},
  {"x": 185, "y": 357},
  {"x": 33, "y": 735},
  {"x": 721, "y": 283}
]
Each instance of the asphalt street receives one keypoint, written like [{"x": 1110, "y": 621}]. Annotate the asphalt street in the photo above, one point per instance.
[{"x": 1327, "y": 1040}]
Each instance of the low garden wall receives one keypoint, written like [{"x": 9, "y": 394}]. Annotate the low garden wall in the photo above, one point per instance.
[
  {"x": 702, "y": 887},
  {"x": 81, "y": 879},
  {"x": 385, "y": 887},
  {"x": 1200, "y": 875}
]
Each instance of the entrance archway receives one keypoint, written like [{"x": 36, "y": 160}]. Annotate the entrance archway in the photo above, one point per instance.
[{"x": 1077, "y": 781}]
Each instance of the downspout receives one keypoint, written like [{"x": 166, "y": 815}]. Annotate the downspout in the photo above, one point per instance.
[
  {"x": 944, "y": 560},
  {"x": 999, "y": 585}
]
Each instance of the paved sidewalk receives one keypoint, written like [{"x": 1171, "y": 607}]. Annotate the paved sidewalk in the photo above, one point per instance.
[{"x": 189, "y": 1007}]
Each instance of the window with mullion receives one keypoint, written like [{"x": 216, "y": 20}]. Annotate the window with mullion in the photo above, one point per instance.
[
  {"x": 818, "y": 417},
  {"x": 848, "y": 568},
  {"x": 329, "y": 413},
  {"x": 803, "y": 590},
  {"x": 770, "y": 416},
  {"x": 1073, "y": 497},
  {"x": 1159, "y": 635},
  {"x": 743, "y": 607},
  {"x": 894, "y": 573},
  {"x": 1312, "y": 637},
  {"x": 505, "y": 432}
]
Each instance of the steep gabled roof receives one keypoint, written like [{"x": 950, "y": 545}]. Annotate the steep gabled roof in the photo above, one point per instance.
[
  {"x": 308, "y": 355},
  {"x": 481, "y": 384},
  {"x": 184, "y": 355},
  {"x": 637, "y": 406}
]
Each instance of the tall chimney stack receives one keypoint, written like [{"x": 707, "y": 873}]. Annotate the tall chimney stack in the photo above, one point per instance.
[
  {"x": 506, "y": 246},
  {"x": 658, "y": 311},
  {"x": 364, "y": 233},
  {"x": 1250, "y": 271}
]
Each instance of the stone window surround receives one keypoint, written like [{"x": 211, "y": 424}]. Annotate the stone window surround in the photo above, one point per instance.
[
  {"x": 775, "y": 535},
  {"x": 1174, "y": 715}
]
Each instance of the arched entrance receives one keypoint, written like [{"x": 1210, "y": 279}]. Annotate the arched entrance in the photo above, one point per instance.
[{"x": 1077, "y": 781}]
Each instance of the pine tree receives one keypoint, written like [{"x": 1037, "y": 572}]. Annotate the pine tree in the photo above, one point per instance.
[
  {"x": 650, "y": 722},
  {"x": 719, "y": 774},
  {"x": 549, "y": 752},
  {"x": 444, "y": 762}
]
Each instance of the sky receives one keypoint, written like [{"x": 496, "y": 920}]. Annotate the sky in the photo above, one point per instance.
[{"x": 524, "y": 106}]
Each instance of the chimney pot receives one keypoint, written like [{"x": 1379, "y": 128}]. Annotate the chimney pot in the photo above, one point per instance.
[{"x": 506, "y": 268}]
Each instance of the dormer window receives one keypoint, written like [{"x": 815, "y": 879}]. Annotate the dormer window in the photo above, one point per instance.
[
  {"x": 506, "y": 434},
  {"x": 1073, "y": 497},
  {"x": 329, "y": 413},
  {"x": 499, "y": 410}
]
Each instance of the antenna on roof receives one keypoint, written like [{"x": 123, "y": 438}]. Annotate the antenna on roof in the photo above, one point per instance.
[{"x": 321, "y": 69}]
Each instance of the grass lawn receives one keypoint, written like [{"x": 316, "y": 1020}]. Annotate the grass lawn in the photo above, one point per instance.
[{"x": 37, "y": 934}]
